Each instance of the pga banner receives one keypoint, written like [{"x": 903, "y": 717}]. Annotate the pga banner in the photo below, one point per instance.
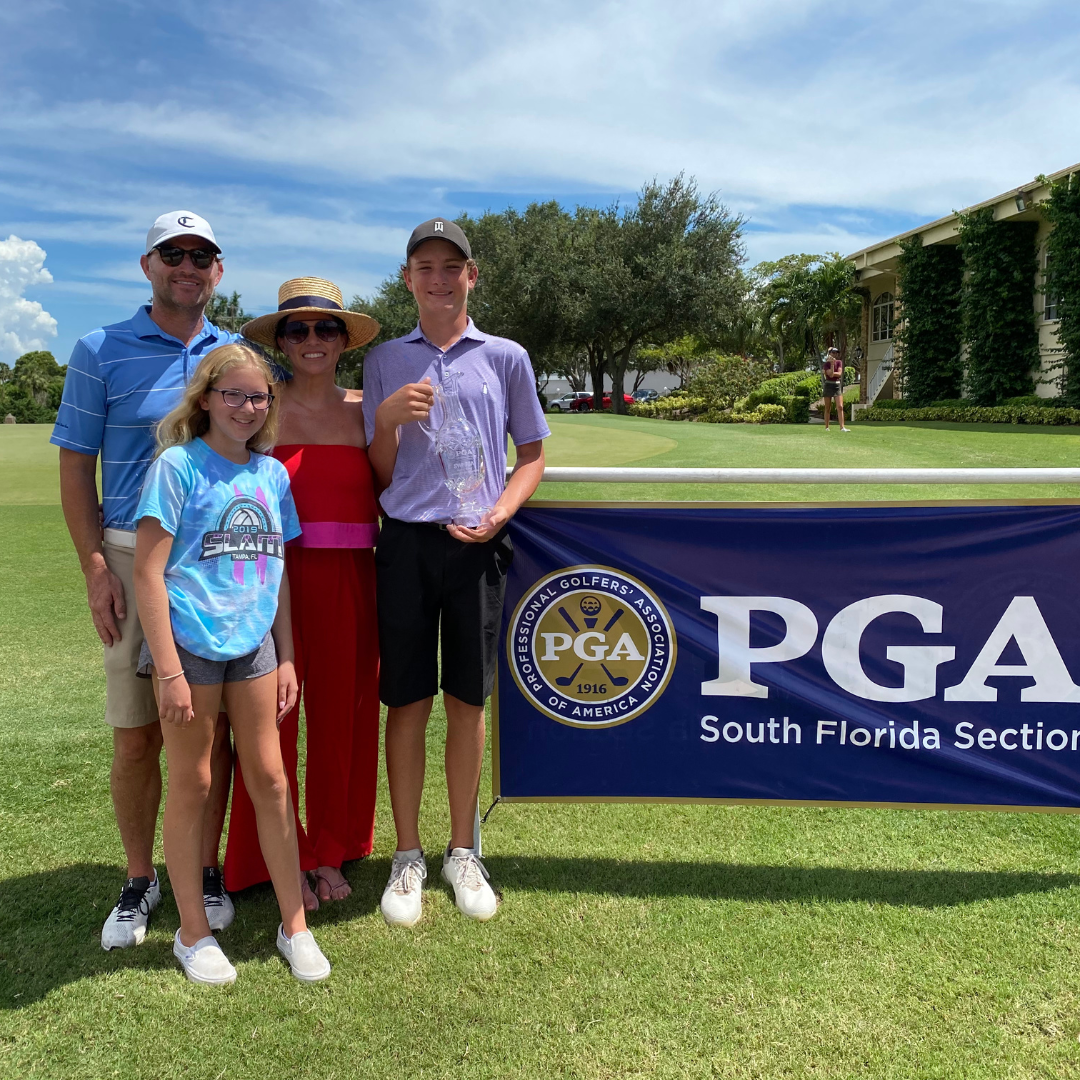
[{"x": 868, "y": 655}]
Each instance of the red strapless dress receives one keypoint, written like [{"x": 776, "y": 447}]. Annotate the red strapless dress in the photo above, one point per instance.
[{"x": 332, "y": 585}]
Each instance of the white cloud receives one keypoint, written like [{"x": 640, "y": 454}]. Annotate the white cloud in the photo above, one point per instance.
[
  {"x": 829, "y": 123},
  {"x": 783, "y": 101},
  {"x": 24, "y": 324}
]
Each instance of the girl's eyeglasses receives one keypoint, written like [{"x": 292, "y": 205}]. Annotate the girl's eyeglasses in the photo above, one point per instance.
[
  {"x": 236, "y": 399},
  {"x": 295, "y": 333}
]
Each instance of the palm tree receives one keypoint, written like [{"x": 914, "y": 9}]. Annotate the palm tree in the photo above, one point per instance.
[{"x": 811, "y": 299}]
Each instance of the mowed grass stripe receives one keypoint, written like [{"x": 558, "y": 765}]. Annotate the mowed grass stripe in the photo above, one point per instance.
[{"x": 640, "y": 941}]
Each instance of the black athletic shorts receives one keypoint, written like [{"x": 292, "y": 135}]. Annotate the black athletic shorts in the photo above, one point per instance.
[{"x": 424, "y": 578}]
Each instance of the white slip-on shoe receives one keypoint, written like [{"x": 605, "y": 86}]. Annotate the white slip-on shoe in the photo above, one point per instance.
[
  {"x": 126, "y": 924},
  {"x": 204, "y": 962},
  {"x": 469, "y": 877},
  {"x": 217, "y": 902},
  {"x": 305, "y": 957},
  {"x": 401, "y": 903}
]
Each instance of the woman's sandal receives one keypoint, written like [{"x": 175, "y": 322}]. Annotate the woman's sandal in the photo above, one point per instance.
[
  {"x": 310, "y": 897},
  {"x": 330, "y": 889}
]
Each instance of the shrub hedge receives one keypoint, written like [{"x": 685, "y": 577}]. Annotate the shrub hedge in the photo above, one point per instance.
[
  {"x": 976, "y": 414},
  {"x": 1024, "y": 401},
  {"x": 722, "y": 379},
  {"x": 783, "y": 400},
  {"x": 773, "y": 391},
  {"x": 763, "y": 414},
  {"x": 673, "y": 407},
  {"x": 798, "y": 408}
]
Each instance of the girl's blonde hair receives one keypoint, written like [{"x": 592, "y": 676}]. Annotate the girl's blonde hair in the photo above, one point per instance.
[{"x": 189, "y": 419}]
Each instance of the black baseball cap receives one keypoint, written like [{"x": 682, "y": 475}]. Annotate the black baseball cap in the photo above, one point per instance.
[{"x": 438, "y": 229}]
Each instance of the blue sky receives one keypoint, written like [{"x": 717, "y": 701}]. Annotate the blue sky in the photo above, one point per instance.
[{"x": 314, "y": 137}]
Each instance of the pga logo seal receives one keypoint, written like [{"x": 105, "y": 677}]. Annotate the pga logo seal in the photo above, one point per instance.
[{"x": 591, "y": 646}]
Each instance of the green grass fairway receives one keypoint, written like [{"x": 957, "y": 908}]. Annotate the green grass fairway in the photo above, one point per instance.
[
  {"x": 633, "y": 941},
  {"x": 868, "y": 445}
]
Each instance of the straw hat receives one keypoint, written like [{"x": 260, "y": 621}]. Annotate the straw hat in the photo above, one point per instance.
[{"x": 303, "y": 298}]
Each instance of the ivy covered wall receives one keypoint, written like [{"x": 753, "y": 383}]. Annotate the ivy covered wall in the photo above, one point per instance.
[
  {"x": 997, "y": 305},
  {"x": 1062, "y": 210},
  {"x": 930, "y": 331}
]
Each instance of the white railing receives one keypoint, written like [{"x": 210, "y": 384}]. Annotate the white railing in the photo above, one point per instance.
[
  {"x": 881, "y": 376},
  {"x": 574, "y": 475}
]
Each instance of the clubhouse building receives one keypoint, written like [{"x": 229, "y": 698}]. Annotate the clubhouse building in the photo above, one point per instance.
[{"x": 876, "y": 270}]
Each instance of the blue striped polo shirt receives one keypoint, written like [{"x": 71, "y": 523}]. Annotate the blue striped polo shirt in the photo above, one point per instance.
[{"x": 121, "y": 380}]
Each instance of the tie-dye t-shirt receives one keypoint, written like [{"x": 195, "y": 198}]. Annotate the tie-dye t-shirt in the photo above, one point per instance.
[{"x": 229, "y": 525}]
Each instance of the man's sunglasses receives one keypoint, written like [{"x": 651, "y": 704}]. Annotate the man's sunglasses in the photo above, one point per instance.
[
  {"x": 235, "y": 399},
  {"x": 201, "y": 259},
  {"x": 325, "y": 330}
]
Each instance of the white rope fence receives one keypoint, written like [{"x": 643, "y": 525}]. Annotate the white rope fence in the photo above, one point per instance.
[{"x": 573, "y": 475}]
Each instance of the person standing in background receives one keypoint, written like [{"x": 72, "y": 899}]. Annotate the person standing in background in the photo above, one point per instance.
[
  {"x": 121, "y": 381},
  {"x": 832, "y": 384}
]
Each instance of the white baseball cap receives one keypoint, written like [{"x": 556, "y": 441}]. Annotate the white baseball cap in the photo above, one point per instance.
[{"x": 179, "y": 223}]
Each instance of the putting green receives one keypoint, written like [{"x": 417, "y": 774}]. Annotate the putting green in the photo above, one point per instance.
[{"x": 577, "y": 440}]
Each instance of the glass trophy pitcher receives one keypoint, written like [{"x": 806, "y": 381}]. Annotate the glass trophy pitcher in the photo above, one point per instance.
[{"x": 460, "y": 451}]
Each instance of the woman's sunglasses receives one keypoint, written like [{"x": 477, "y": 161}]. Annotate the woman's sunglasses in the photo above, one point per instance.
[
  {"x": 325, "y": 330},
  {"x": 235, "y": 399},
  {"x": 201, "y": 259}
]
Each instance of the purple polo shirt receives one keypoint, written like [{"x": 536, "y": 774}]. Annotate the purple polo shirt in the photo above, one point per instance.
[{"x": 498, "y": 396}]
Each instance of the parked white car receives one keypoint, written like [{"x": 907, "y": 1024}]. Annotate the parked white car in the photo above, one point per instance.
[{"x": 562, "y": 404}]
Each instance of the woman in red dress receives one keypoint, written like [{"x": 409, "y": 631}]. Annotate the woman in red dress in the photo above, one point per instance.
[{"x": 331, "y": 568}]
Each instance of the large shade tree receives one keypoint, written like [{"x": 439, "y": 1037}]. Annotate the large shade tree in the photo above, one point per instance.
[
  {"x": 662, "y": 269},
  {"x": 589, "y": 288}
]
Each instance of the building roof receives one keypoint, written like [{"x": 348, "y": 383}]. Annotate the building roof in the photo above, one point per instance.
[{"x": 1017, "y": 204}]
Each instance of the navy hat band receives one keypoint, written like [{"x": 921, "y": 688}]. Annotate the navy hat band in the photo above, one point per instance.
[{"x": 309, "y": 301}]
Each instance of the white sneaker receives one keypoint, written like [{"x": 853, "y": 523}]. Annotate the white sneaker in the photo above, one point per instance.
[
  {"x": 217, "y": 902},
  {"x": 126, "y": 924},
  {"x": 400, "y": 902},
  {"x": 468, "y": 875},
  {"x": 305, "y": 957},
  {"x": 204, "y": 962}
]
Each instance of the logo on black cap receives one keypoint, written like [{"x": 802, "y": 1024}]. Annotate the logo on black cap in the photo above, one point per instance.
[{"x": 439, "y": 228}]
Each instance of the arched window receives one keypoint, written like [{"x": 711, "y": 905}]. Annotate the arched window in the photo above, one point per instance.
[{"x": 883, "y": 312}]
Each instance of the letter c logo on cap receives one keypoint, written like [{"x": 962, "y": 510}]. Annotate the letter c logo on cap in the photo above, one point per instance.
[{"x": 185, "y": 221}]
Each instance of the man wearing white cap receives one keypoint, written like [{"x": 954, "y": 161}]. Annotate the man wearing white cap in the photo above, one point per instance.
[{"x": 121, "y": 380}]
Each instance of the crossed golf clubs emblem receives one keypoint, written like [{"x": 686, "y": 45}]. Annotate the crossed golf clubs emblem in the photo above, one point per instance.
[{"x": 590, "y": 610}]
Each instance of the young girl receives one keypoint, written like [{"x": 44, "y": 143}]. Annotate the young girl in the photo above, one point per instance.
[{"x": 213, "y": 519}]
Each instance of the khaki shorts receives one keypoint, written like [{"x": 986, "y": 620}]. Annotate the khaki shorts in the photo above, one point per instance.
[{"x": 129, "y": 701}]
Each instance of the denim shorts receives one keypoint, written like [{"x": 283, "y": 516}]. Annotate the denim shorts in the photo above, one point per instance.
[{"x": 201, "y": 672}]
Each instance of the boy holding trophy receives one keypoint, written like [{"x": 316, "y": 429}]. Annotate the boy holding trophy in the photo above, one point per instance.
[{"x": 440, "y": 403}]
